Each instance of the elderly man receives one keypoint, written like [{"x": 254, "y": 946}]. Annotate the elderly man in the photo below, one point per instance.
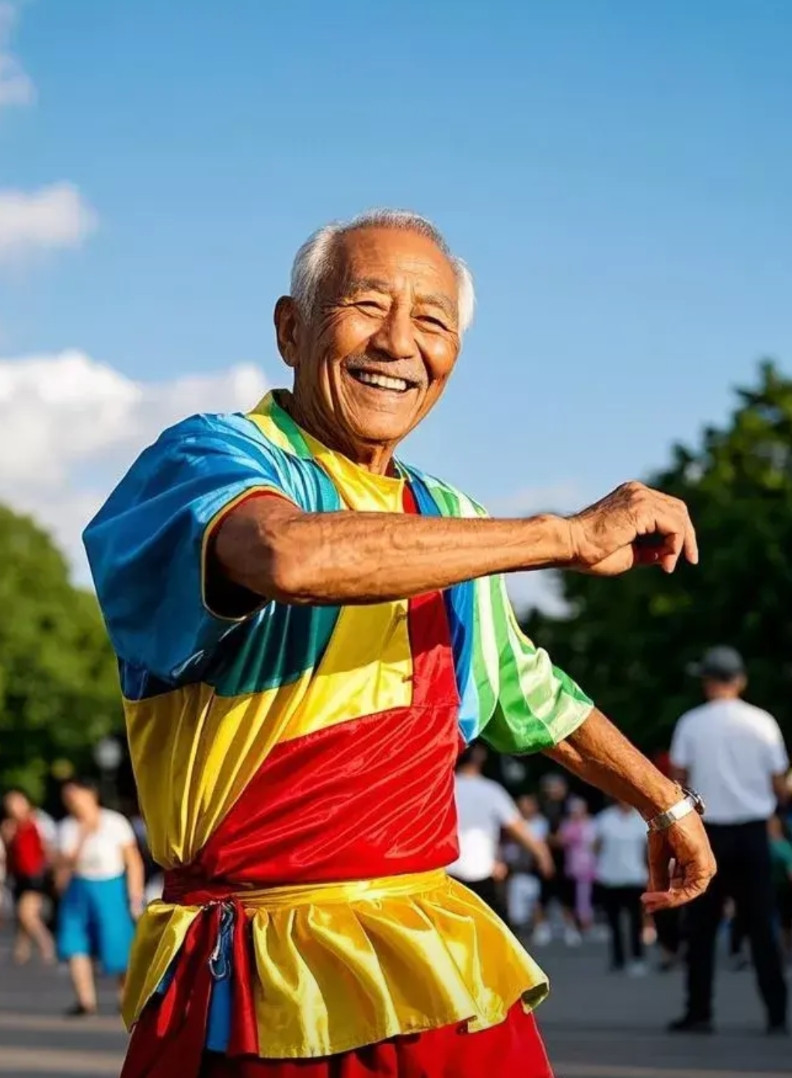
[{"x": 308, "y": 631}]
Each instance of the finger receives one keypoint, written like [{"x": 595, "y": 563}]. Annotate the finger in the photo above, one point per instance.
[
  {"x": 659, "y": 866},
  {"x": 674, "y": 543},
  {"x": 691, "y": 544},
  {"x": 676, "y": 896}
]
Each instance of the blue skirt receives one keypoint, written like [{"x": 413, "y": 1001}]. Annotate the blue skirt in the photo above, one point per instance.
[{"x": 94, "y": 920}]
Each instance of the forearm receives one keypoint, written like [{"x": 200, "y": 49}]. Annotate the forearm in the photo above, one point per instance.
[
  {"x": 525, "y": 837},
  {"x": 278, "y": 552},
  {"x": 601, "y": 755}
]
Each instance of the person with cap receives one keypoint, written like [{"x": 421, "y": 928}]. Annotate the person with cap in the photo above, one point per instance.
[{"x": 734, "y": 755}]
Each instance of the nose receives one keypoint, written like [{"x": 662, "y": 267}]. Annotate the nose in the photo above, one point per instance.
[{"x": 394, "y": 338}]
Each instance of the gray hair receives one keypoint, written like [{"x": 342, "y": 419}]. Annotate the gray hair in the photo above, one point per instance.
[{"x": 313, "y": 260}]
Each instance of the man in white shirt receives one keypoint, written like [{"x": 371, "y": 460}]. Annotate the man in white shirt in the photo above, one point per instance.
[
  {"x": 623, "y": 873},
  {"x": 101, "y": 873},
  {"x": 734, "y": 755},
  {"x": 484, "y": 810}
]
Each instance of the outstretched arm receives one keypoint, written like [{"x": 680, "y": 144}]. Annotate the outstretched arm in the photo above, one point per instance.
[
  {"x": 275, "y": 550},
  {"x": 599, "y": 754}
]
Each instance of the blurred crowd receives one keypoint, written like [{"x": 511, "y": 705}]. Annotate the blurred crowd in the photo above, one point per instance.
[
  {"x": 548, "y": 865},
  {"x": 73, "y": 889},
  {"x": 582, "y": 876}
]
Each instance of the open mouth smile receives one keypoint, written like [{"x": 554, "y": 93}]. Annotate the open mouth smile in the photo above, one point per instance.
[{"x": 382, "y": 381}]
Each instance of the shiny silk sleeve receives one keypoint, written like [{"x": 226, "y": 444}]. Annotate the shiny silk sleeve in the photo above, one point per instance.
[
  {"x": 510, "y": 693},
  {"x": 147, "y": 545},
  {"x": 537, "y": 705}
]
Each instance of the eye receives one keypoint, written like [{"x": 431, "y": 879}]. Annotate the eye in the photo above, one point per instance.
[
  {"x": 370, "y": 306},
  {"x": 430, "y": 320}
]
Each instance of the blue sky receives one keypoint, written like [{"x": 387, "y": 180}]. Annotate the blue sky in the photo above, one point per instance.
[{"x": 617, "y": 175}]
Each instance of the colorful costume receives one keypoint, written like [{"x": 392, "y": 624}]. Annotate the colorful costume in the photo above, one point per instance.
[{"x": 295, "y": 769}]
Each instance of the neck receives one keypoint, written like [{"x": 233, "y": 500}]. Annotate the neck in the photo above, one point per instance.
[
  {"x": 723, "y": 692},
  {"x": 468, "y": 771},
  {"x": 375, "y": 458}
]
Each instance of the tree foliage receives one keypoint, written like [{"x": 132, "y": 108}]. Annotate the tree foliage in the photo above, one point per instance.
[
  {"x": 629, "y": 640},
  {"x": 58, "y": 681}
]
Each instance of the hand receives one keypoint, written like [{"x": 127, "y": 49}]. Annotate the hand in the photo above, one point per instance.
[
  {"x": 500, "y": 871},
  {"x": 681, "y": 864},
  {"x": 545, "y": 863},
  {"x": 633, "y": 525},
  {"x": 136, "y": 906}
]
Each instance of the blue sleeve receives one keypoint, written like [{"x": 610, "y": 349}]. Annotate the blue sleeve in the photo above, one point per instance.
[{"x": 147, "y": 545}]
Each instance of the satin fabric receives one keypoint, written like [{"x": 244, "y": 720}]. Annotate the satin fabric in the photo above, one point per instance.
[
  {"x": 339, "y": 966},
  {"x": 512, "y": 1049},
  {"x": 307, "y": 745}
]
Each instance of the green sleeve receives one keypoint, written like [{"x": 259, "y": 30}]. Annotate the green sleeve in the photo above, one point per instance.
[{"x": 537, "y": 704}]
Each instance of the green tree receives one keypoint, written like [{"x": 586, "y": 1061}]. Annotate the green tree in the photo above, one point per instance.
[
  {"x": 58, "y": 682},
  {"x": 629, "y": 640}
]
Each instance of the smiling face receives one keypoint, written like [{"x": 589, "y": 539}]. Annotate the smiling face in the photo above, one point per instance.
[{"x": 376, "y": 352}]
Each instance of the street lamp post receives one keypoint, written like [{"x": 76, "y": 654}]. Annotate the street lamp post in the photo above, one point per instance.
[{"x": 108, "y": 755}]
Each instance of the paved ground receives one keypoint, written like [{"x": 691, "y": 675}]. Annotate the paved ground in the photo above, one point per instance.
[{"x": 597, "y": 1026}]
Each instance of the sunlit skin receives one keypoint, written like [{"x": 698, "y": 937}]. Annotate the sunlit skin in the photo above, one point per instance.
[{"x": 389, "y": 307}]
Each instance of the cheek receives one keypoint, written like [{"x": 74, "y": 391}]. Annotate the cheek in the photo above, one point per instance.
[
  {"x": 440, "y": 355},
  {"x": 343, "y": 335}
]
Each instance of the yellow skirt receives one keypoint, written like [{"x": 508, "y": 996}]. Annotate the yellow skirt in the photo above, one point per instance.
[{"x": 339, "y": 966}]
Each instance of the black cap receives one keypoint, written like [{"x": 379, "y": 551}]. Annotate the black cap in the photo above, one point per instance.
[{"x": 719, "y": 664}]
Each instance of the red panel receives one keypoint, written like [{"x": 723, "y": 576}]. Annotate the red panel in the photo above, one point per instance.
[{"x": 514, "y": 1048}]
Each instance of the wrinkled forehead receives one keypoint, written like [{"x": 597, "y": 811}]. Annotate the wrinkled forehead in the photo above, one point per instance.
[{"x": 395, "y": 260}]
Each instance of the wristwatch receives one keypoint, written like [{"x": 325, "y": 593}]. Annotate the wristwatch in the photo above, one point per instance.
[{"x": 691, "y": 802}]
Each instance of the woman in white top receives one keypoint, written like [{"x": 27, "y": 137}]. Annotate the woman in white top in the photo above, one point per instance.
[{"x": 101, "y": 872}]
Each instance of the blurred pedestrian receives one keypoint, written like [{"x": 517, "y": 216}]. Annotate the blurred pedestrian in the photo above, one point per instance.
[
  {"x": 556, "y": 889},
  {"x": 100, "y": 874},
  {"x": 26, "y": 857},
  {"x": 622, "y": 872},
  {"x": 523, "y": 888},
  {"x": 577, "y": 836},
  {"x": 484, "y": 810},
  {"x": 734, "y": 754}
]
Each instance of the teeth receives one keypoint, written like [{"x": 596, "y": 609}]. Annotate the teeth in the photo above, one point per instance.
[{"x": 384, "y": 381}]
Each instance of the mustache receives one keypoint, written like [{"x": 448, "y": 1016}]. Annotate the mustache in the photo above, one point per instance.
[{"x": 390, "y": 367}]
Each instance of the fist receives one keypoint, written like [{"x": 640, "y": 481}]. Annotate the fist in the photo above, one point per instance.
[{"x": 634, "y": 525}]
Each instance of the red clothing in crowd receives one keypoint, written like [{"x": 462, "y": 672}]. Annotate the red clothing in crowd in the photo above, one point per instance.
[{"x": 26, "y": 856}]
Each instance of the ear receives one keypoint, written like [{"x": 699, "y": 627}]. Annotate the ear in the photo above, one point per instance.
[{"x": 287, "y": 329}]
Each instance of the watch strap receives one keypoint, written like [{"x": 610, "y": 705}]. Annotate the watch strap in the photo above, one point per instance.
[{"x": 691, "y": 802}]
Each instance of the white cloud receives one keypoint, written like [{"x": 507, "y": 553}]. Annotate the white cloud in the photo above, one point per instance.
[
  {"x": 52, "y": 217},
  {"x": 69, "y": 427},
  {"x": 16, "y": 87}
]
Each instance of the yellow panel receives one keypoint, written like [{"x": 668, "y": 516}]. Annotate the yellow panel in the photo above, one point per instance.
[
  {"x": 366, "y": 668},
  {"x": 268, "y": 427},
  {"x": 194, "y": 753}
]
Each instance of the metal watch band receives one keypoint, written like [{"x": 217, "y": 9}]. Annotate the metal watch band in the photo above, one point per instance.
[{"x": 691, "y": 802}]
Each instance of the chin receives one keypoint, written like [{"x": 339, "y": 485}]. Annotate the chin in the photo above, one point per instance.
[{"x": 381, "y": 433}]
